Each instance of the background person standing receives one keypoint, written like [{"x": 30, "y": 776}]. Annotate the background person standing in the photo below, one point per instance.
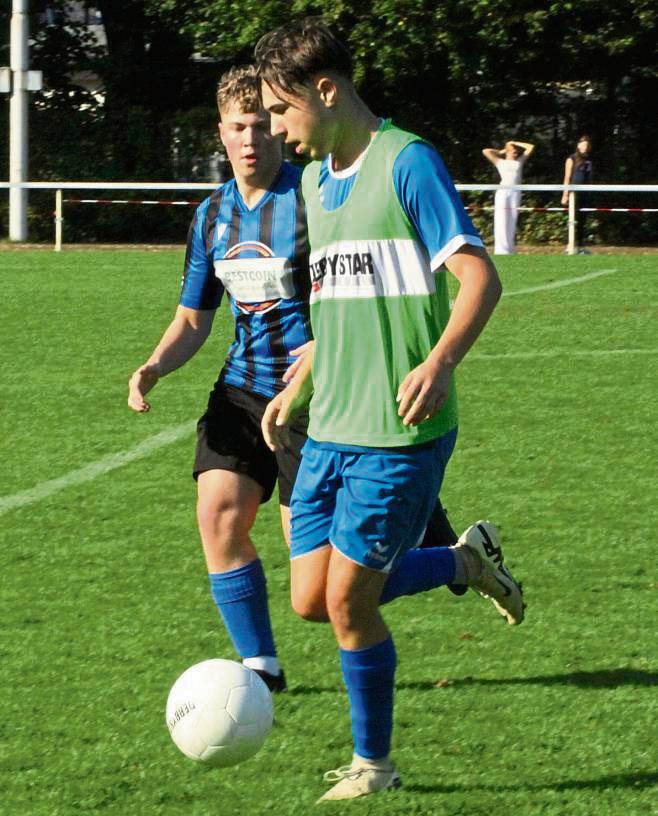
[
  {"x": 578, "y": 169},
  {"x": 509, "y": 162}
]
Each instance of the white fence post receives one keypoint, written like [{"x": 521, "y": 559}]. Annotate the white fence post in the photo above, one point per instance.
[
  {"x": 59, "y": 218},
  {"x": 571, "y": 241}
]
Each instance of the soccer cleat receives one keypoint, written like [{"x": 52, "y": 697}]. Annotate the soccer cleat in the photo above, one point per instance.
[
  {"x": 359, "y": 779},
  {"x": 495, "y": 582},
  {"x": 274, "y": 682}
]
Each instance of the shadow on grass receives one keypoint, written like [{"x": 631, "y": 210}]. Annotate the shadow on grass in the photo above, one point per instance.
[
  {"x": 603, "y": 678},
  {"x": 302, "y": 691},
  {"x": 639, "y": 779}
]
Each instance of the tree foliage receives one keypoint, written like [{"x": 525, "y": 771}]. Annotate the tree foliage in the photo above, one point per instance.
[
  {"x": 465, "y": 73},
  {"x": 469, "y": 73}
]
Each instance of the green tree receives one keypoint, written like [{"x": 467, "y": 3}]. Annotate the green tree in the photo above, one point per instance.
[{"x": 464, "y": 73}]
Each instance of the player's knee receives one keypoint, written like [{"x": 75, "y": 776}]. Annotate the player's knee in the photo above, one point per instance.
[
  {"x": 342, "y": 610},
  {"x": 309, "y": 606},
  {"x": 220, "y": 521}
]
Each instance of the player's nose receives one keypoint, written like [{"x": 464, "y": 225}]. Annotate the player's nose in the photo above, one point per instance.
[{"x": 277, "y": 127}]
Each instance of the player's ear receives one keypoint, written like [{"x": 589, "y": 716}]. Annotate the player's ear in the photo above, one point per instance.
[
  {"x": 327, "y": 89},
  {"x": 220, "y": 128}
]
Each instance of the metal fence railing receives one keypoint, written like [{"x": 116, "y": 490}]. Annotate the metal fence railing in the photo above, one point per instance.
[{"x": 58, "y": 187}]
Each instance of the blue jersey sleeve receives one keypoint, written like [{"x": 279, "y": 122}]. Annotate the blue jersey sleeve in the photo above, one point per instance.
[
  {"x": 200, "y": 288},
  {"x": 431, "y": 202}
]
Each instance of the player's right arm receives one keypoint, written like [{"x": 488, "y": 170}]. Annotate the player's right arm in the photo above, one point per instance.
[
  {"x": 299, "y": 353},
  {"x": 184, "y": 336},
  {"x": 294, "y": 398},
  {"x": 201, "y": 293}
]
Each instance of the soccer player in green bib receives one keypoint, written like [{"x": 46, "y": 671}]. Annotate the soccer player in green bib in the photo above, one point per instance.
[{"x": 384, "y": 223}]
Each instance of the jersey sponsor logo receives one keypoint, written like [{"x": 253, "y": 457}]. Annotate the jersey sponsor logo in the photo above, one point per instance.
[
  {"x": 357, "y": 263},
  {"x": 350, "y": 269},
  {"x": 255, "y": 278}
]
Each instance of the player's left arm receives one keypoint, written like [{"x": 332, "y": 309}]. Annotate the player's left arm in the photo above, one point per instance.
[{"x": 430, "y": 200}]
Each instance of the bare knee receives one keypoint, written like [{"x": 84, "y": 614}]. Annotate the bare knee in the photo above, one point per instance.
[
  {"x": 308, "y": 578},
  {"x": 220, "y": 519},
  {"x": 309, "y": 606},
  {"x": 342, "y": 610},
  {"x": 225, "y": 517},
  {"x": 350, "y": 612}
]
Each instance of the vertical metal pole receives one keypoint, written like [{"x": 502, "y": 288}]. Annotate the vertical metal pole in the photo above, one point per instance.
[
  {"x": 18, "y": 122},
  {"x": 59, "y": 218},
  {"x": 571, "y": 242}
]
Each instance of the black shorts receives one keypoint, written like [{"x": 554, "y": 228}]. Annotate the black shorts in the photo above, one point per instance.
[{"x": 229, "y": 437}]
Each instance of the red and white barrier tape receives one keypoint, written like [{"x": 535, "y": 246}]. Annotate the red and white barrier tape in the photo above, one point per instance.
[
  {"x": 128, "y": 201},
  {"x": 470, "y": 208},
  {"x": 476, "y": 207}
]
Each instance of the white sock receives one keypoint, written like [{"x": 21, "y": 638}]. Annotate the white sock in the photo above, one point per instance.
[
  {"x": 381, "y": 764},
  {"x": 265, "y": 663}
]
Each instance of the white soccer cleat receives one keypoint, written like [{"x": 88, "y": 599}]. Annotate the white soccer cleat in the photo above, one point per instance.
[
  {"x": 495, "y": 582},
  {"x": 359, "y": 779}
]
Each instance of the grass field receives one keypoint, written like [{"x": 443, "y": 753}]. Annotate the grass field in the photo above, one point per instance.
[{"x": 105, "y": 600}]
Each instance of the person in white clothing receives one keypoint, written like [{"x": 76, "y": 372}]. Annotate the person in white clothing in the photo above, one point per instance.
[{"x": 509, "y": 162}]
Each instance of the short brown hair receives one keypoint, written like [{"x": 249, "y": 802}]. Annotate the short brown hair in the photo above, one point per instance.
[
  {"x": 288, "y": 57},
  {"x": 239, "y": 85}
]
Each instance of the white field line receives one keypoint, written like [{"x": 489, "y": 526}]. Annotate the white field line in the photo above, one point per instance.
[
  {"x": 564, "y": 353},
  {"x": 170, "y": 435},
  {"x": 95, "y": 469},
  {"x": 560, "y": 283},
  {"x": 542, "y": 287}
]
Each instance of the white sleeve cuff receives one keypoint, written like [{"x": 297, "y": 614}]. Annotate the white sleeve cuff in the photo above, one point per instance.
[{"x": 451, "y": 247}]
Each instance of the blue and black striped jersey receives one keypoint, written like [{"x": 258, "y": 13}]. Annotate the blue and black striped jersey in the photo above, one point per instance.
[{"x": 260, "y": 257}]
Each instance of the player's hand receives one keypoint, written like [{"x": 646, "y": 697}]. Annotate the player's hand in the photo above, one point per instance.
[
  {"x": 141, "y": 382},
  {"x": 273, "y": 423},
  {"x": 300, "y": 353},
  {"x": 565, "y": 199},
  {"x": 422, "y": 392}
]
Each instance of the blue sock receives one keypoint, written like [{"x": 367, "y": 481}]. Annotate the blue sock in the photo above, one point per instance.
[
  {"x": 369, "y": 676},
  {"x": 241, "y": 597},
  {"x": 418, "y": 571}
]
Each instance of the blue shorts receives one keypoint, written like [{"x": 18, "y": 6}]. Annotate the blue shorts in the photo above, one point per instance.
[{"x": 371, "y": 504}]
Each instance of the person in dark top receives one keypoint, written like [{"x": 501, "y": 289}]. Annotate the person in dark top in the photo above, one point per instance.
[{"x": 578, "y": 169}]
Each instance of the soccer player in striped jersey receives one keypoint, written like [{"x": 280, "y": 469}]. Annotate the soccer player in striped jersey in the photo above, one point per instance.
[
  {"x": 384, "y": 223},
  {"x": 247, "y": 239}
]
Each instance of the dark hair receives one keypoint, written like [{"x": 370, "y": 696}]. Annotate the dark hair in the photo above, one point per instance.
[
  {"x": 239, "y": 85},
  {"x": 578, "y": 157},
  {"x": 289, "y": 56}
]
